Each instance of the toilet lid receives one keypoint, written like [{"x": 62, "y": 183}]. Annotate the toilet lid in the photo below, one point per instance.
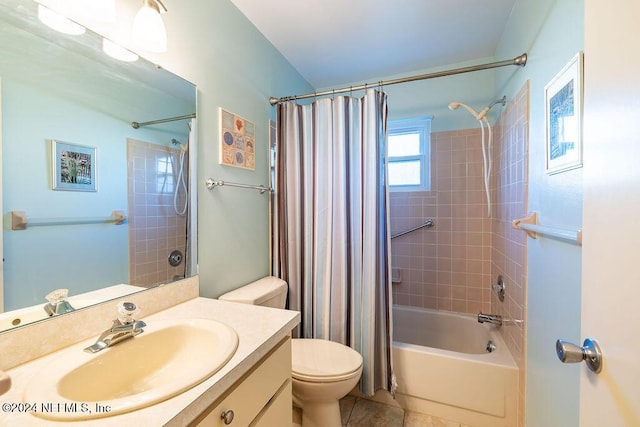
[{"x": 323, "y": 360}]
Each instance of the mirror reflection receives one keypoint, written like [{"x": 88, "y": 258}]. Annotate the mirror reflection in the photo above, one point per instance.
[{"x": 72, "y": 162}]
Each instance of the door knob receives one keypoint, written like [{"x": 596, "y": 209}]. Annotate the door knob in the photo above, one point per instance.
[{"x": 572, "y": 353}]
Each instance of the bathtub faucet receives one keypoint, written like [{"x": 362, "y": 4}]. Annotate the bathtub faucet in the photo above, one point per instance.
[{"x": 495, "y": 319}]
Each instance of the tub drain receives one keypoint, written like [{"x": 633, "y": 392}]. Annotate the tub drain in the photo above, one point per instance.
[{"x": 491, "y": 347}]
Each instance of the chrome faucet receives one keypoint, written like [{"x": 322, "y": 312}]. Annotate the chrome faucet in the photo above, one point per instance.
[
  {"x": 123, "y": 327},
  {"x": 495, "y": 319},
  {"x": 58, "y": 303}
]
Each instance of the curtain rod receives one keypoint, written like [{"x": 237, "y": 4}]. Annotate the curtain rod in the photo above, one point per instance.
[
  {"x": 136, "y": 125},
  {"x": 520, "y": 61}
]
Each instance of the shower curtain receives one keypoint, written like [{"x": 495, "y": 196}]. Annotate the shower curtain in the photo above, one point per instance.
[{"x": 330, "y": 226}]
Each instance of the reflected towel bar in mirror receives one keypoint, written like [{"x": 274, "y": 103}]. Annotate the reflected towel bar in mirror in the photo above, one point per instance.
[{"x": 19, "y": 220}]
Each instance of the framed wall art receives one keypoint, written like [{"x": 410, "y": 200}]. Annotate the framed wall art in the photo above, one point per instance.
[
  {"x": 237, "y": 141},
  {"x": 73, "y": 166},
  {"x": 563, "y": 116}
]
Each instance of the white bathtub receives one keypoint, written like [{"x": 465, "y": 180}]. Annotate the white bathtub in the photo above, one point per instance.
[{"x": 443, "y": 368}]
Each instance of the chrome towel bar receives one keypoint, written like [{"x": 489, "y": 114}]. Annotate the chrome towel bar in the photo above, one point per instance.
[
  {"x": 428, "y": 223},
  {"x": 211, "y": 184}
]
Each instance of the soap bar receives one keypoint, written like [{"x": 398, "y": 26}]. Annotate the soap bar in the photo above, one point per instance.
[{"x": 5, "y": 382}]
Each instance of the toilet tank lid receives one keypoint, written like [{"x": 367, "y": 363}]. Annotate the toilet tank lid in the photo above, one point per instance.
[{"x": 257, "y": 292}]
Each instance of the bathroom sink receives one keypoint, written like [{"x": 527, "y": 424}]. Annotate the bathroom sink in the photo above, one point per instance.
[{"x": 169, "y": 357}]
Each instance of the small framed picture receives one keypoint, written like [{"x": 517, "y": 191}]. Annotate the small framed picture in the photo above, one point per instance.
[
  {"x": 73, "y": 166},
  {"x": 237, "y": 141},
  {"x": 563, "y": 114}
]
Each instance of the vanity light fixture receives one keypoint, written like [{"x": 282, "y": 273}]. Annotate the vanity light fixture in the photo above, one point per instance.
[
  {"x": 58, "y": 22},
  {"x": 118, "y": 52},
  {"x": 149, "y": 32}
]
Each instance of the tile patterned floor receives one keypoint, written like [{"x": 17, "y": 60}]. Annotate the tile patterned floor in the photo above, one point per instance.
[{"x": 357, "y": 412}]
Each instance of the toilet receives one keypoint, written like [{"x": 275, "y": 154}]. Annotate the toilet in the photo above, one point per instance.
[{"x": 322, "y": 371}]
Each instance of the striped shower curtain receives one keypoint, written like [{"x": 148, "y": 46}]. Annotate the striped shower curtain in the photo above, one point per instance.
[{"x": 330, "y": 225}]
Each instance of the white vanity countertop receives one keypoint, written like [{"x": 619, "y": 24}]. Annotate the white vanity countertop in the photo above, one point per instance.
[{"x": 259, "y": 329}]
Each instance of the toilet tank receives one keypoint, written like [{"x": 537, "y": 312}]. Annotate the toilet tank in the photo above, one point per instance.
[{"x": 268, "y": 292}]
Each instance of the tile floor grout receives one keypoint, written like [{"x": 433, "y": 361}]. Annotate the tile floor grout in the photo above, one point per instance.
[{"x": 360, "y": 412}]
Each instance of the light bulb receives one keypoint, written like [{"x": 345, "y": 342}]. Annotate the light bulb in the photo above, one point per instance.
[
  {"x": 117, "y": 51},
  {"x": 149, "y": 32}
]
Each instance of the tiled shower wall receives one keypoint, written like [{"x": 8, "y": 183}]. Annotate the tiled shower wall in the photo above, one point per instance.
[
  {"x": 453, "y": 265},
  {"x": 154, "y": 227},
  {"x": 509, "y": 246},
  {"x": 446, "y": 267}
]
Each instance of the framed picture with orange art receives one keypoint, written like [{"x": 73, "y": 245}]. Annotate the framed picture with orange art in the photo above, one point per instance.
[{"x": 237, "y": 141}]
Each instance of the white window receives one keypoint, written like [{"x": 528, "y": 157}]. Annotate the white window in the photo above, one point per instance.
[
  {"x": 164, "y": 175},
  {"x": 408, "y": 147}
]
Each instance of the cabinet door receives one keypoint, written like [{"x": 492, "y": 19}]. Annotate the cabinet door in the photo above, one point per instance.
[
  {"x": 279, "y": 410},
  {"x": 247, "y": 398}
]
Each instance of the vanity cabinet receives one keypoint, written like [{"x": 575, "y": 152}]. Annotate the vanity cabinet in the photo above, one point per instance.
[{"x": 262, "y": 397}]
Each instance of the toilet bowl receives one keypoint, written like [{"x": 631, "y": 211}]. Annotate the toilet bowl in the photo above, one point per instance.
[{"x": 322, "y": 371}]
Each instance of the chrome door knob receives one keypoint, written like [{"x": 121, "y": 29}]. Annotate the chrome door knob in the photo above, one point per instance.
[{"x": 572, "y": 353}]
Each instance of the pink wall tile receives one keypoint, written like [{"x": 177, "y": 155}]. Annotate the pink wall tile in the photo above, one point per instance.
[
  {"x": 467, "y": 249},
  {"x": 457, "y": 204},
  {"x": 154, "y": 228},
  {"x": 509, "y": 249}
]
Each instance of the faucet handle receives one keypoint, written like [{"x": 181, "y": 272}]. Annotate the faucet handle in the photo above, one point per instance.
[
  {"x": 57, "y": 296},
  {"x": 126, "y": 311}
]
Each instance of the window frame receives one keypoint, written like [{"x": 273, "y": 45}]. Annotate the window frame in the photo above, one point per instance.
[{"x": 421, "y": 126}]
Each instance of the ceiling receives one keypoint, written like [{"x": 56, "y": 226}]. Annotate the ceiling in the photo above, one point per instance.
[{"x": 335, "y": 42}]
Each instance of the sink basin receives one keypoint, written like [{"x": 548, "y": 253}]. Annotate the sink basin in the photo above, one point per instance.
[{"x": 169, "y": 357}]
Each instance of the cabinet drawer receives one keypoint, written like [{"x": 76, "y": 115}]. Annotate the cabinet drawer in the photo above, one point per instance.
[{"x": 252, "y": 393}]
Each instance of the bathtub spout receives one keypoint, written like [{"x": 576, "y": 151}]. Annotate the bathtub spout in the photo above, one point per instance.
[{"x": 495, "y": 319}]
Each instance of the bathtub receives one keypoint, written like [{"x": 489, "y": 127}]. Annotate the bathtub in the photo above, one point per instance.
[{"x": 443, "y": 368}]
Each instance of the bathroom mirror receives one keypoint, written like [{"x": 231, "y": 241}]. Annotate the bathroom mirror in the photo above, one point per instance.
[{"x": 67, "y": 113}]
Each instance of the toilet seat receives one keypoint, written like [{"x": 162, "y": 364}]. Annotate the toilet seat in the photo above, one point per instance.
[{"x": 322, "y": 361}]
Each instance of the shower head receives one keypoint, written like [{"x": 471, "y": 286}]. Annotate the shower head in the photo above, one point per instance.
[
  {"x": 502, "y": 101},
  {"x": 456, "y": 105},
  {"x": 486, "y": 109},
  {"x": 174, "y": 142}
]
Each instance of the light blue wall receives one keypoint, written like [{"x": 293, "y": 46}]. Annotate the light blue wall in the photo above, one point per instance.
[
  {"x": 552, "y": 32},
  {"x": 79, "y": 257},
  {"x": 235, "y": 67}
]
